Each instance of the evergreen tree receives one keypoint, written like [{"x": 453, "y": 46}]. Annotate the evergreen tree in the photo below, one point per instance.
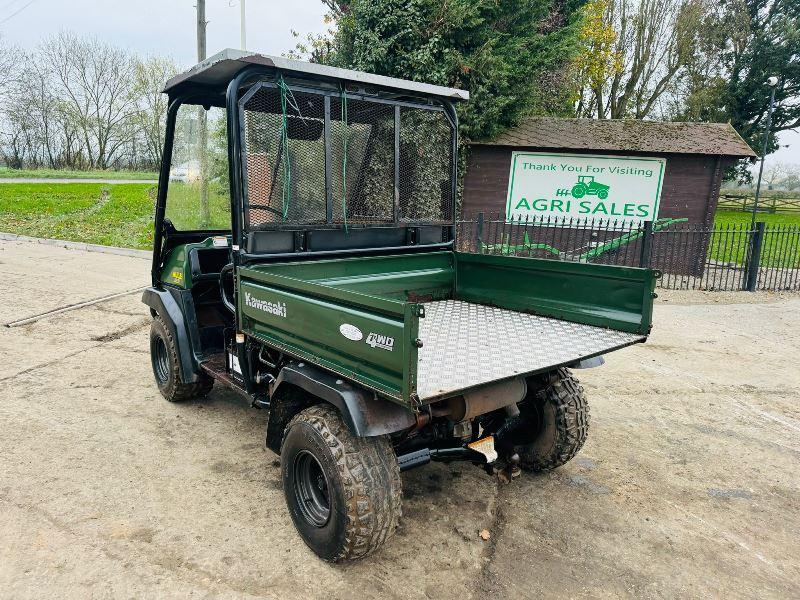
[
  {"x": 513, "y": 56},
  {"x": 745, "y": 43},
  {"x": 765, "y": 42}
]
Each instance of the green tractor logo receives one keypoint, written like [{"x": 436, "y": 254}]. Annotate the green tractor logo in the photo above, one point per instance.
[{"x": 588, "y": 186}]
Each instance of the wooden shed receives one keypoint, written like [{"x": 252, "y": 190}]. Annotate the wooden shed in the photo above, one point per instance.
[
  {"x": 696, "y": 155},
  {"x": 622, "y": 172}
]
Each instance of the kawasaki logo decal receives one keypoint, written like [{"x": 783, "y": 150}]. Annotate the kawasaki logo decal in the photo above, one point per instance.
[
  {"x": 276, "y": 308},
  {"x": 377, "y": 340}
]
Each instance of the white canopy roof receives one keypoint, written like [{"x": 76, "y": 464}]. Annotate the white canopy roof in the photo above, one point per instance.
[{"x": 221, "y": 68}]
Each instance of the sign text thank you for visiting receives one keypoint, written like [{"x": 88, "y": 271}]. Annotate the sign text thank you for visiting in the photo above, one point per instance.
[{"x": 584, "y": 187}]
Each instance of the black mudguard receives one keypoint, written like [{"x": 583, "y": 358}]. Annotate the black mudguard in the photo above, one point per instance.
[
  {"x": 364, "y": 413},
  {"x": 163, "y": 303}
]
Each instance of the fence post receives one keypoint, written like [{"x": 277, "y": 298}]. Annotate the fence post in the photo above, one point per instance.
[
  {"x": 647, "y": 245},
  {"x": 479, "y": 234},
  {"x": 756, "y": 242}
]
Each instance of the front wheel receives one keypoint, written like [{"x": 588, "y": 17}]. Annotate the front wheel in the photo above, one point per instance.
[
  {"x": 164, "y": 358},
  {"x": 343, "y": 492},
  {"x": 555, "y": 423}
]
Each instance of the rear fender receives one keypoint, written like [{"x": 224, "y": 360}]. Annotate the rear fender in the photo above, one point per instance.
[
  {"x": 165, "y": 306},
  {"x": 364, "y": 413}
]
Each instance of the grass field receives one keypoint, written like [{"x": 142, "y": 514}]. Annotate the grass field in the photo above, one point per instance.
[
  {"x": 118, "y": 215},
  {"x": 6, "y": 173},
  {"x": 122, "y": 215},
  {"x": 781, "y": 242},
  {"x": 183, "y": 207},
  {"x": 724, "y": 218},
  {"x": 111, "y": 215}
]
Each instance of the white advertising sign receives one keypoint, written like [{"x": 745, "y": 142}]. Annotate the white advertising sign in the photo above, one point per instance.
[{"x": 584, "y": 187}]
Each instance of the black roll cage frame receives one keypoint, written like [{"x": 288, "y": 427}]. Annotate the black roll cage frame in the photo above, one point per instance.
[{"x": 236, "y": 170}]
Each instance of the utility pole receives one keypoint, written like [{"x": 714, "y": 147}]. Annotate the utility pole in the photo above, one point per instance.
[
  {"x": 243, "y": 24},
  {"x": 757, "y": 230},
  {"x": 772, "y": 82},
  {"x": 201, "y": 30},
  {"x": 202, "y": 122}
]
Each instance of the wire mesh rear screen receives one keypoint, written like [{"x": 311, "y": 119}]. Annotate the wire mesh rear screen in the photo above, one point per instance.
[
  {"x": 362, "y": 155},
  {"x": 370, "y": 177},
  {"x": 426, "y": 161},
  {"x": 285, "y": 159}
]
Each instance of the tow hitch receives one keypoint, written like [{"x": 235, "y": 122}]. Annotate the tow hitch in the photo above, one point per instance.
[
  {"x": 480, "y": 452},
  {"x": 423, "y": 456}
]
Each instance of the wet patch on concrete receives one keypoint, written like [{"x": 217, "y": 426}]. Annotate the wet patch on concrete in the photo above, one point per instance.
[
  {"x": 586, "y": 463},
  {"x": 582, "y": 481},
  {"x": 718, "y": 493}
]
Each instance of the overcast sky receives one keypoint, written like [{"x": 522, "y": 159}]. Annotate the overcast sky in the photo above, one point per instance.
[
  {"x": 163, "y": 26},
  {"x": 167, "y": 27}
]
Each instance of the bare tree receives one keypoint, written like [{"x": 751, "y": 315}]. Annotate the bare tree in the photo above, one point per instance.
[
  {"x": 96, "y": 82},
  {"x": 792, "y": 180},
  {"x": 9, "y": 60},
  {"x": 151, "y": 111},
  {"x": 776, "y": 174},
  {"x": 655, "y": 40},
  {"x": 78, "y": 103},
  {"x": 15, "y": 128}
]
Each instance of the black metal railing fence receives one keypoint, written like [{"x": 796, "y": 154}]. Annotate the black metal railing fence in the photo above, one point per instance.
[{"x": 690, "y": 256}]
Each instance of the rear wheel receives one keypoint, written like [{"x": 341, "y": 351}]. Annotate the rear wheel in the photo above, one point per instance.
[
  {"x": 555, "y": 423},
  {"x": 164, "y": 358},
  {"x": 343, "y": 492}
]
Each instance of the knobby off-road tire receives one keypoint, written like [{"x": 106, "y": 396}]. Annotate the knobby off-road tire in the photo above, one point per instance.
[
  {"x": 559, "y": 416},
  {"x": 164, "y": 359},
  {"x": 354, "y": 501}
]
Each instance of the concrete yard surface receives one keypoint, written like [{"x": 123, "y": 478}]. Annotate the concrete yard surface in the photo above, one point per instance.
[{"x": 688, "y": 486}]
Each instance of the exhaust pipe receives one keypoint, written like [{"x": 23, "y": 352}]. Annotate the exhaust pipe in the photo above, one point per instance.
[{"x": 485, "y": 399}]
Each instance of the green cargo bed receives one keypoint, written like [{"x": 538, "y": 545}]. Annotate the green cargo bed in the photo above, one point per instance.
[{"x": 419, "y": 327}]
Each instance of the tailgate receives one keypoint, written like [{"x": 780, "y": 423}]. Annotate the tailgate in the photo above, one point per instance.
[{"x": 607, "y": 296}]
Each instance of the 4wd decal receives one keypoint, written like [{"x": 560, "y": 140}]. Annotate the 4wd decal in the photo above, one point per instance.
[
  {"x": 376, "y": 340},
  {"x": 276, "y": 308}
]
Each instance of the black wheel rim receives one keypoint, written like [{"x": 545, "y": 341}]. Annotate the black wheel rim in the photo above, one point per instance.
[
  {"x": 311, "y": 489},
  {"x": 528, "y": 425},
  {"x": 160, "y": 360}
]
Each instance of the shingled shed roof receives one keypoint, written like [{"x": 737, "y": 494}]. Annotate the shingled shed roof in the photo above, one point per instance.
[{"x": 625, "y": 136}]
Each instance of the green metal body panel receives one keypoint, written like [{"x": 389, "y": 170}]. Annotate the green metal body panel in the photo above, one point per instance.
[
  {"x": 606, "y": 296},
  {"x": 308, "y": 319},
  {"x": 359, "y": 317},
  {"x": 177, "y": 271}
]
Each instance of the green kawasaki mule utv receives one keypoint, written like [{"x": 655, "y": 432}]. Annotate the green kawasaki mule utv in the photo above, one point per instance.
[{"x": 304, "y": 256}]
